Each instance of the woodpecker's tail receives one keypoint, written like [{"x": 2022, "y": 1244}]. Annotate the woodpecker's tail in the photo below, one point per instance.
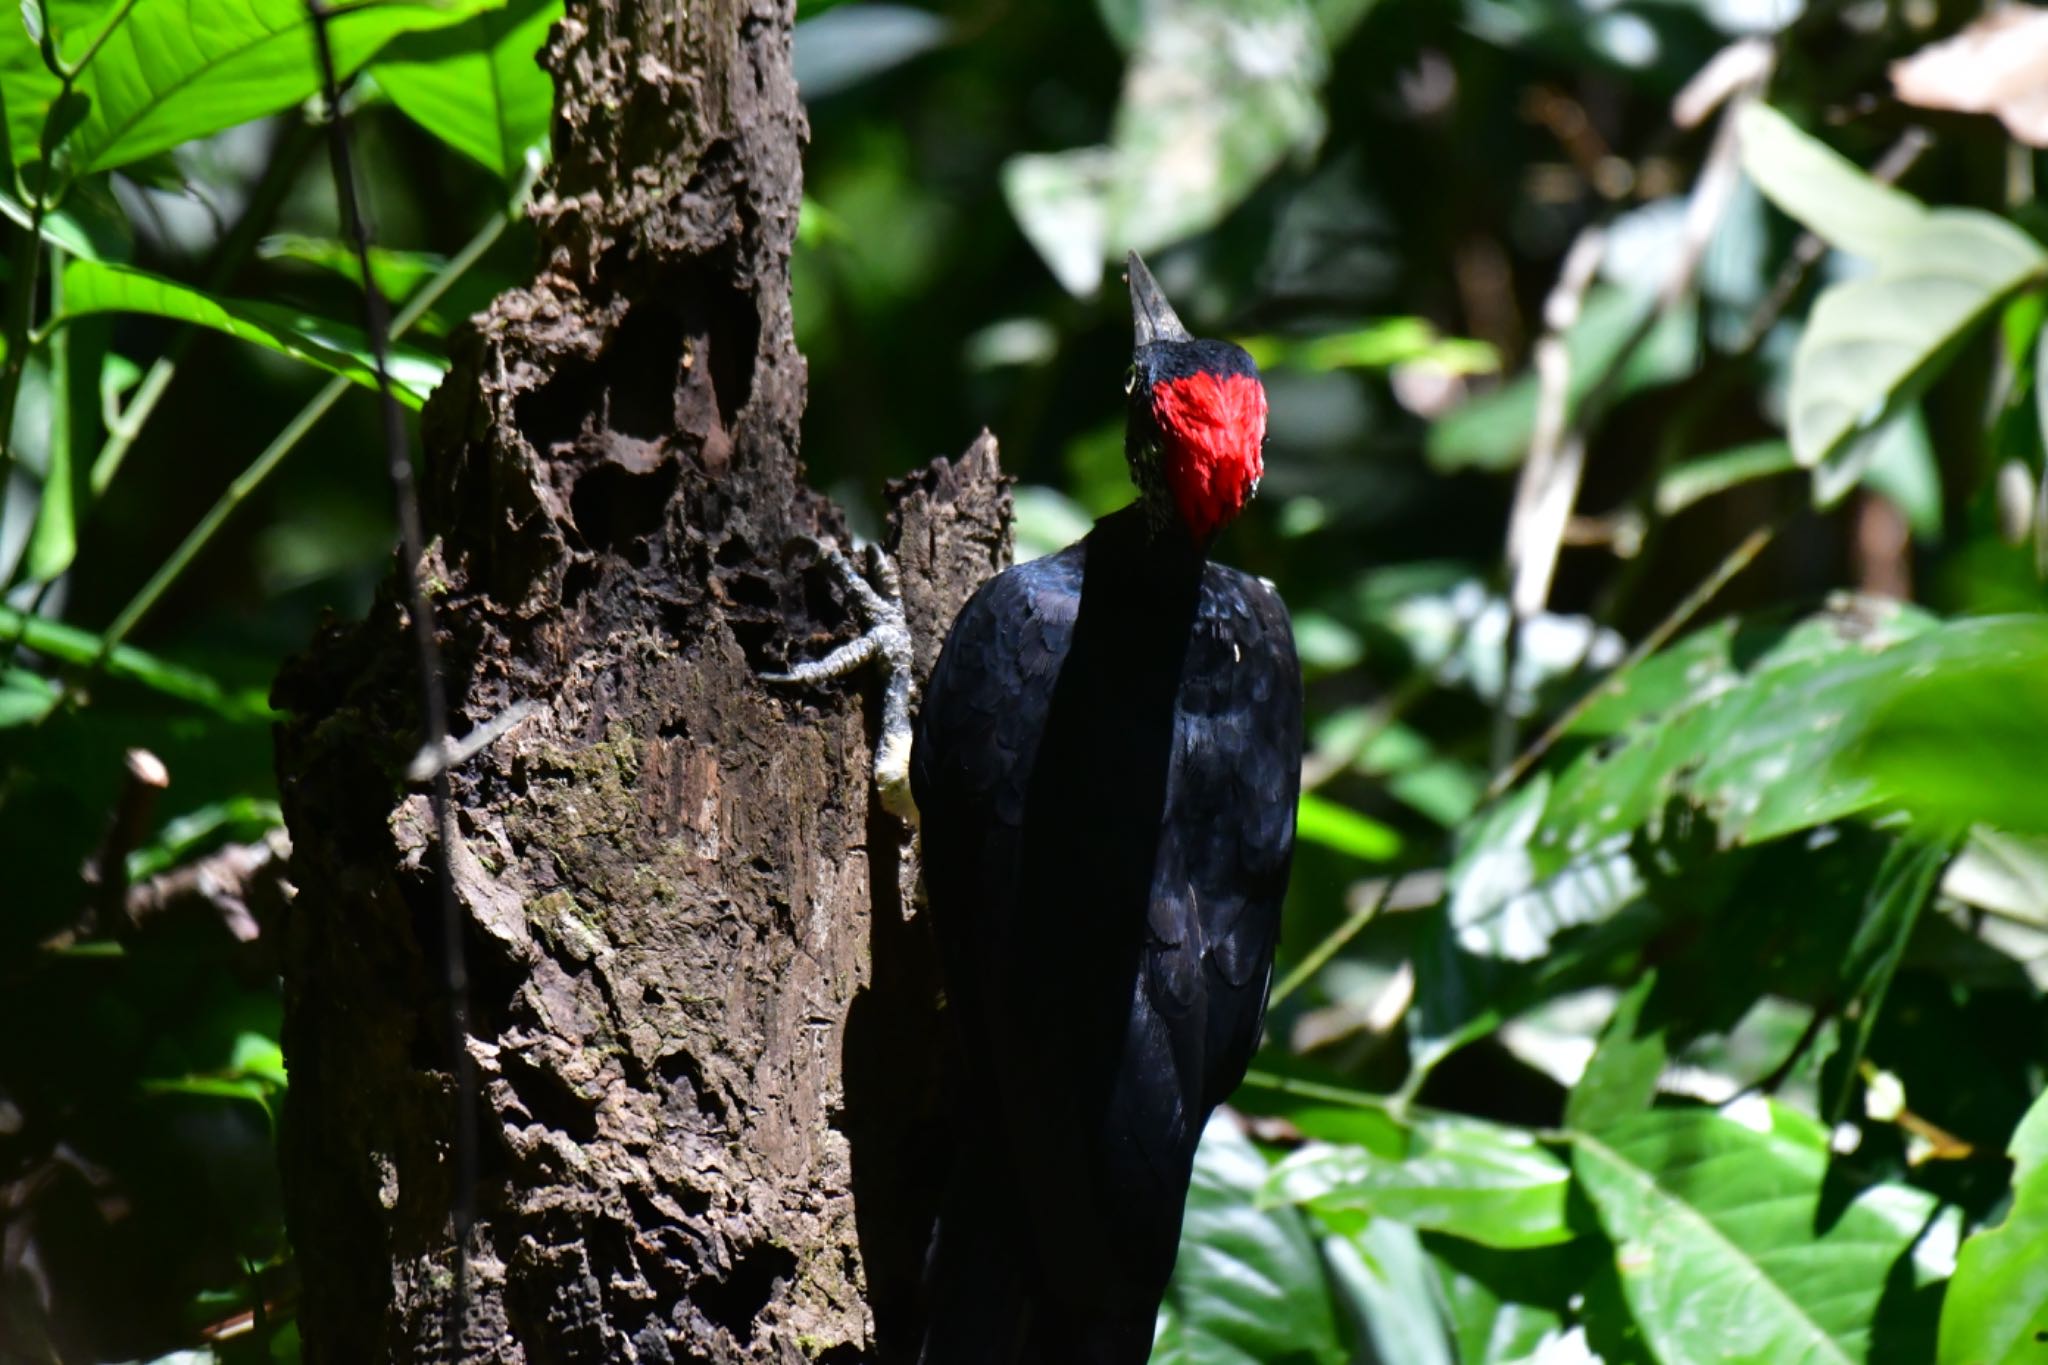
[
  {"x": 976, "y": 1285},
  {"x": 986, "y": 1297}
]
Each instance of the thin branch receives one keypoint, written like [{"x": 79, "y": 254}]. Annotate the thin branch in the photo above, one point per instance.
[
  {"x": 1367, "y": 911},
  {"x": 295, "y": 431},
  {"x": 433, "y": 702},
  {"x": 1738, "y": 559},
  {"x": 234, "y": 249}
]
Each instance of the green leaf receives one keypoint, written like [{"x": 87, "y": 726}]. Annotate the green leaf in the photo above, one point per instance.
[
  {"x": 1874, "y": 343},
  {"x": 1996, "y": 1312},
  {"x": 1905, "y": 883},
  {"x": 1700, "y": 479},
  {"x": 1510, "y": 1307},
  {"x": 1390, "y": 1283},
  {"x": 1720, "y": 1241},
  {"x": 70, "y": 645},
  {"x": 91, "y": 287},
  {"x": 1248, "y": 1286},
  {"x": 25, "y": 697},
  {"x": 478, "y": 86},
  {"x": 183, "y": 69},
  {"x": 397, "y": 273},
  {"x": 1823, "y": 190},
  {"x": 241, "y": 817},
  {"x": 1621, "y": 1077},
  {"x": 1488, "y": 1184},
  {"x": 1377, "y": 346},
  {"x": 1344, "y": 830},
  {"x": 1956, "y": 738}
]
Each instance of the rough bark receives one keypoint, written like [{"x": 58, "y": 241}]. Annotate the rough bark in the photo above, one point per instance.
[{"x": 700, "y": 1004}]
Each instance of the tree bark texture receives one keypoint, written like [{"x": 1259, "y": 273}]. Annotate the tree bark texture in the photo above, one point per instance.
[{"x": 701, "y": 1007}]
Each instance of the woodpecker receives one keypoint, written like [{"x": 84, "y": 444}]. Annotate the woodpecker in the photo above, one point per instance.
[{"x": 1105, "y": 766}]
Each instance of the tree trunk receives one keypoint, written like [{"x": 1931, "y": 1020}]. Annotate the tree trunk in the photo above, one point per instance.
[{"x": 700, "y": 1006}]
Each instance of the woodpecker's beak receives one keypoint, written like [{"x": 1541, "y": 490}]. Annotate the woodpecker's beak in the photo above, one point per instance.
[{"x": 1152, "y": 317}]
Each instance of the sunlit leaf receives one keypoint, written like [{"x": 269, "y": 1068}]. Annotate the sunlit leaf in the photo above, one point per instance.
[
  {"x": 1345, "y": 830},
  {"x": 1873, "y": 343},
  {"x": 91, "y": 287},
  {"x": 1828, "y": 194},
  {"x": 1699, "y": 479},
  {"x": 1489, "y": 1184},
  {"x": 1955, "y": 739},
  {"x": 1621, "y": 1078},
  {"x": 176, "y": 70},
  {"x": 1996, "y": 1312},
  {"x": 1722, "y": 1250},
  {"x": 1248, "y": 1286},
  {"x": 478, "y": 86},
  {"x": 397, "y": 273}
]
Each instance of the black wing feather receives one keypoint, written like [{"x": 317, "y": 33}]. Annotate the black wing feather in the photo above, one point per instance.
[{"x": 1107, "y": 763}]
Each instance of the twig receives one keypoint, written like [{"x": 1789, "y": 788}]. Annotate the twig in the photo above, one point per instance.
[
  {"x": 143, "y": 779},
  {"x": 295, "y": 431},
  {"x": 234, "y": 248},
  {"x": 1809, "y": 248},
  {"x": 453, "y": 753},
  {"x": 1738, "y": 559},
  {"x": 1364, "y": 914},
  {"x": 433, "y": 704}
]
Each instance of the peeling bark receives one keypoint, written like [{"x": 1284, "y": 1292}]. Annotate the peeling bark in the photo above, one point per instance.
[{"x": 701, "y": 1005}]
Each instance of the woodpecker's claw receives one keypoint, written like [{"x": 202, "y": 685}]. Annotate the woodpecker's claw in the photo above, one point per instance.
[{"x": 884, "y": 640}]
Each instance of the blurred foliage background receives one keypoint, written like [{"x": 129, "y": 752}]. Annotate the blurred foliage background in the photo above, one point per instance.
[{"x": 1654, "y": 476}]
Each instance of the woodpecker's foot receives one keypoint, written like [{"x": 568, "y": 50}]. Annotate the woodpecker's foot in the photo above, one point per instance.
[{"x": 884, "y": 642}]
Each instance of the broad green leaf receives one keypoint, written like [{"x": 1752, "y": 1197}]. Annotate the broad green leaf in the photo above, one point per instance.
[
  {"x": 183, "y": 69},
  {"x": 1996, "y": 1311},
  {"x": 1956, "y": 738},
  {"x": 1721, "y": 1246},
  {"x": 478, "y": 86},
  {"x": 1822, "y": 189},
  {"x": 1873, "y": 343},
  {"x": 1511, "y": 1307},
  {"x": 70, "y": 645},
  {"x": 25, "y": 697},
  {"x": 1696, "y": 480},
  {"x": 1345, "y": 830},
  {"x": 1248, "y": 1286},
  {"x": 1390, "y": 1283},
  {"x": 397, "y": 273},
  {"x": 1496, "y": 1186},
  {"x": 91, "y": 287},
  {"x": 1757, "y": 746},
  {"x": 1621, "y": 1079}
]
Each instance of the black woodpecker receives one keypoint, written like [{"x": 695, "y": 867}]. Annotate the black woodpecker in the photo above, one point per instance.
[{"x": 1105, "y": 766}]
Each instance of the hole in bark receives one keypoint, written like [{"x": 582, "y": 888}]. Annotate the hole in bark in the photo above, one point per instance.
[
  {"x": 736, "y": 1300},
  {"x": 646, "y": 361},
  {"x": 845, "y": 1353},
  {"x": 554, "y": 414},
  {"x": 734, "y": 551},
  {"x": 549, "y": 1098},
  {"x": 614, "y": 506},
  {"x": 752, "y": 590},
  {"x": 680, "y": 1071}
]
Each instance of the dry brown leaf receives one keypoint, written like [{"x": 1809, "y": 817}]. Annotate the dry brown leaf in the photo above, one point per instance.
[{"x": 1998, "y": 65}]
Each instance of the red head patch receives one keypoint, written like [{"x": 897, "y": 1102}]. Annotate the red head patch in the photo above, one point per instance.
[{"x": 1212, "y": 434}]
